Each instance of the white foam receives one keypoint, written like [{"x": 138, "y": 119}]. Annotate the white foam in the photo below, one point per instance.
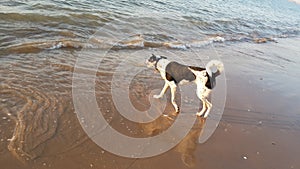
[{"x": 57, "y": 46}]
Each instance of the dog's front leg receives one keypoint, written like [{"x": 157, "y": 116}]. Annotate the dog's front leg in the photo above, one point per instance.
[
  {"x": 173, "y": 93},
  {"x": 163, "y": 91}
]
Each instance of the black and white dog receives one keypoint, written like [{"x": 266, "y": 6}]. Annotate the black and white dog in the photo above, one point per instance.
[{"x": 175, "y": 73}]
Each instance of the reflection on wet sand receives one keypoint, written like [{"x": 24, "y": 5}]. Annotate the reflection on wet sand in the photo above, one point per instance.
[{"x": 188, "y": 145}]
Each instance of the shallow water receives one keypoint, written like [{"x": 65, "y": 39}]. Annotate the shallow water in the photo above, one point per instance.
[{"x": 28, "y": 26}]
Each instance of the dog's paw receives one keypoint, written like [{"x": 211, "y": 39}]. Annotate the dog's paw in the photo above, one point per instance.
[
  {"x": 156, "y": 96},
  {"x": 199, "y": 114},
  {"x": 205, "y": 115},
  {"x": 177, "y": 110}
]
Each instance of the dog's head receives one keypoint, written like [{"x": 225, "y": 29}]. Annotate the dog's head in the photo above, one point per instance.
[{"x": 152, "y": 61}]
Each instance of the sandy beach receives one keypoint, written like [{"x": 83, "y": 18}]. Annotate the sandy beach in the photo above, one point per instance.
[
  {"x": 75, "y": 91},
  {"x": 259, "y": 127}
]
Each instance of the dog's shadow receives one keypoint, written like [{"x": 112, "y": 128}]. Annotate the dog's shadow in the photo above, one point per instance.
[{"x": 188, "y": 145}]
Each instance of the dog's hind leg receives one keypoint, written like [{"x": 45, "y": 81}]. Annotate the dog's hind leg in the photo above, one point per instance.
[
  {"x": 173, "y": 93},
  {"x": 163, "y": 91},
  {"x": 209, "y": 106},
  {"x": 200, "y": 92},
  {"x": 204, "y": 108}
]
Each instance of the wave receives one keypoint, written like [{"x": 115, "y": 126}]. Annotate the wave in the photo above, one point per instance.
[
  {"x": 34, "y": 47},
  {"x": 69, "y": 18},
  {"x": 132, "y": 43}
]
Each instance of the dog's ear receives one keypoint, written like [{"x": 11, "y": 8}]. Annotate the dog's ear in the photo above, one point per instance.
[{"x": 152, "y": 58}]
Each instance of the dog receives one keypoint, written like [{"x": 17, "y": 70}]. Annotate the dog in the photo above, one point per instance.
[{"x": 175, "y": 74}]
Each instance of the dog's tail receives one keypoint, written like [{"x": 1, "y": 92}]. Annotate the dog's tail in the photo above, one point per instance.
[{"x": 214, "y": 68}]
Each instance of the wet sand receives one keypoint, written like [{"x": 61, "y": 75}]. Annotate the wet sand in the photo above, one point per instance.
[{"x": 259, "y": 128}]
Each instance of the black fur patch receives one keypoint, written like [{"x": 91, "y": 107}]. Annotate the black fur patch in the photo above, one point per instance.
[
  {"x": 177, "y": 72},
  {"x": 211, "y": 82},
  {"x": 196, "y": 68},
  {"x": 169, "y": 77}
]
